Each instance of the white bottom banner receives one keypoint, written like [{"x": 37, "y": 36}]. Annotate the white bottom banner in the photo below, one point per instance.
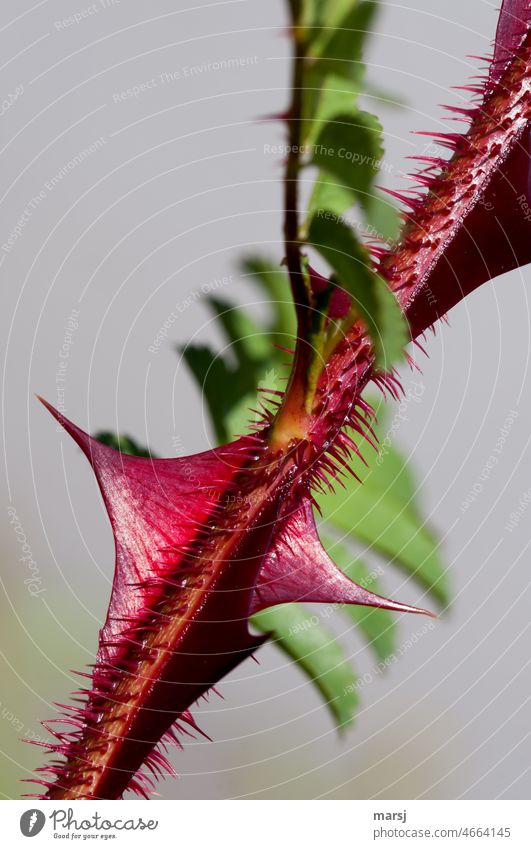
[{"x": 269, "y": 824}]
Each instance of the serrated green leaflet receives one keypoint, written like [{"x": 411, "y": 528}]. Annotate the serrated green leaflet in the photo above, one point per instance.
[
  {"x": 376, "y": 515},
  {"x": 374, "y": 303},
  {"x": 245, "y": 337},
  {"x": 228, "y": 381},
  {"x": 349, "y": 147},
  {"x": 388, "y": 483},
  {"x": 301, "y": 636},
  {"x": 322, "y": 17},
  {"x": 221, "y": 388},
  {"x": 338, "y": 50},
  {"x": 382, "y": 217},
  {"x": 390, "y": 470},
  {"x": 329, "y": 196},
  {"x": 324, "y": 99},
  {"x": 273, "y": 281}
]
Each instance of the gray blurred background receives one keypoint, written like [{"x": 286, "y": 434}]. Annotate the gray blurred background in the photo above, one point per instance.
[{"x": 98, "y": 249}]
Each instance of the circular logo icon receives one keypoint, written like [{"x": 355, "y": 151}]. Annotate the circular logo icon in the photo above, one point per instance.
[{"x": 31, "y": 822}]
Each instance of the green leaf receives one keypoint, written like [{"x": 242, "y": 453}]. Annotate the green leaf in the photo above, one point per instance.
[
  {"x": 372, "y": 513},
  {"x": 220, "y": 385},
  {"x": 390, "y": 470},
  {"x": 230, "y": 389},
  {"x": 373, "y": 300},
  {"x": 383, "y": 218},
  {"x": 312, "y": 17},
  {"x": 122, "y": 443},
  {"x": 301, "y": 636},
  {"x": 336, "y": 96},
  {"x": 334, "y": 70},
  {"x": 340, "y": 52},
  {"x": 349, "y": 147},
  {"x": 330, "y": 195},
  {"x": 377, "y": 625},
  {"x": 384, "y": 512},
  {"x": 241, "y": 414},
  {"x": 322, "y": 17},
  {"x": 274, "y": 282},
  {"x": 322, "y": 99},
  {"x": 248, "y": 341}
]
